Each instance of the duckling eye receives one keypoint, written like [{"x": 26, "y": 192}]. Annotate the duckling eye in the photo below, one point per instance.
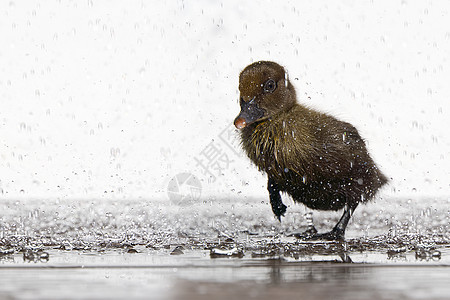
[{"x": 270, "y": 86}]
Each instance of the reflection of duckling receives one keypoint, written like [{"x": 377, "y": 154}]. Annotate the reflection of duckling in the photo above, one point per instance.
[{"x": 318, "y": 160}]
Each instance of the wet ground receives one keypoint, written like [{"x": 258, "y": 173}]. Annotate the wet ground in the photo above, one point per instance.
[{"x": 220, "y": 249}]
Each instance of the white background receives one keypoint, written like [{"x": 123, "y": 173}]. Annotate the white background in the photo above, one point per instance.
[{"x": 111, "y": 99}]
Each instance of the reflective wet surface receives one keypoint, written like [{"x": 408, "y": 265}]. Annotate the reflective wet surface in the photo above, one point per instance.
[{"x": 157, "y": 250}]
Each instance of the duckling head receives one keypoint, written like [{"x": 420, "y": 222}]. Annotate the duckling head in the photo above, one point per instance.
[{"x": 265, "y": 90}]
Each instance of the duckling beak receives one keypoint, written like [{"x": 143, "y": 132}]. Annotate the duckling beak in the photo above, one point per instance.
[
  {"x": 240, "y": 122},
  {"x": 250, "y": 113}
]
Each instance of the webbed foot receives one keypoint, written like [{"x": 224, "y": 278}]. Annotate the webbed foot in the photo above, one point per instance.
[
  {"x": 279, "y": 210},
  {"x": 333, "y": 235},
  {"x": 307, "y": 234}
]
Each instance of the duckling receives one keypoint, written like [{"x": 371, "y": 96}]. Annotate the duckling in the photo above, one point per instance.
[{"x": 315, "y": 158}]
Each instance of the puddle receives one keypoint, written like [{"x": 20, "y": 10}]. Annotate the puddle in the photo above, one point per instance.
[{"x": 115, "y": 250}]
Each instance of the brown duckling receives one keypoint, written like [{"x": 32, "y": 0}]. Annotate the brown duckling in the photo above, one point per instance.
[{"x": 317, "y": 159}]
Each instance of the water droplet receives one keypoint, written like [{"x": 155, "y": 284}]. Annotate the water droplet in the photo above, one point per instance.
[
  {"x": 434, "y": 139},
  {"x": 115, "y": 152}
]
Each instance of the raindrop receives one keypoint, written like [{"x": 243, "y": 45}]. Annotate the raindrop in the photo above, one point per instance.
[
  {"x": 434, "y": 139},
  {"x": 115, "y": 152}
]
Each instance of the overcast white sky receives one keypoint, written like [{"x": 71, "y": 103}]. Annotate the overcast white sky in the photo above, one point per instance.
[{"x": 112, "y": 99}]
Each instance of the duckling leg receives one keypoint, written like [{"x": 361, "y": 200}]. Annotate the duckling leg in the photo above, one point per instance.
[
  {"x": 338, "y": 232},
  {"x": 310, "y": 223},
  {"x": 278, "y": 207}
]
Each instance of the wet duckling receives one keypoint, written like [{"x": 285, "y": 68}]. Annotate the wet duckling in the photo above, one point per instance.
[{"x": 318, "y": 160}]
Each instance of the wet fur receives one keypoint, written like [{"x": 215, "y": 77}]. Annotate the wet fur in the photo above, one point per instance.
[{"x": 318, "y": 160}]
